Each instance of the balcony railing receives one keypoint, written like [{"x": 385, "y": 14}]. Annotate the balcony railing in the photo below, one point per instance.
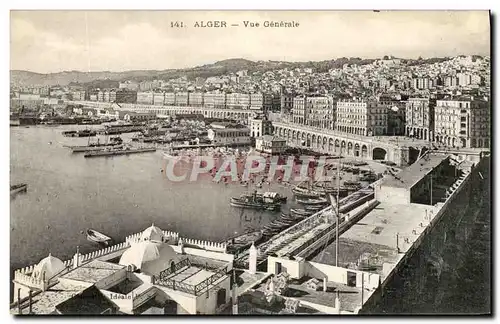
[
  {"x": 179, "y": 265},
  {"x": 196, "y": 290}
]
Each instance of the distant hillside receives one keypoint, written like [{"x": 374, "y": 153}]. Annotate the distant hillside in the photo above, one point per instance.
[{"x": 218, "y": 68}]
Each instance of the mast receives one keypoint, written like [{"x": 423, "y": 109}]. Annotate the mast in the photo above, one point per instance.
[{"x": 337, "y": 215}]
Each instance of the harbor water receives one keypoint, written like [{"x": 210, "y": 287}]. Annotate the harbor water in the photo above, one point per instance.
[{"x": 117, "y": 196}]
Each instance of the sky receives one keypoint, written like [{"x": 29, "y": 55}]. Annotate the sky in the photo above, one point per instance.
[{"x": 55, "y": 41}]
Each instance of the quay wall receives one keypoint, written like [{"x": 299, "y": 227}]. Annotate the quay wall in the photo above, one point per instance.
[{"x": 426, "y": 271}]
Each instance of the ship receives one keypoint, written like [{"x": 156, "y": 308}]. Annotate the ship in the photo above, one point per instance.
[
  {"x": 113, "y": 152},
  {"x": 312, "y": 201},
  {"x": 95, "y": 236},
  {"x": 80, "y": 133},
  {"x": 21, "y": 187},
  {"x": 257, "y": 201},
  {"x": 115, "y": 142},
  {"x": 306, "y": 193}
]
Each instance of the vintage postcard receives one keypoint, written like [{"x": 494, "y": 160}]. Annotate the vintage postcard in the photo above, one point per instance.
[{"x": 250, "y": 162}]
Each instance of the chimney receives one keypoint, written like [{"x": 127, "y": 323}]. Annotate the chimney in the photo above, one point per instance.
[{"x": 252, "y": 260}]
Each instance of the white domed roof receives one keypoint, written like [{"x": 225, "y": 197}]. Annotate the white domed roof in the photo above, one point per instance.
[
  {"x": 152, "y": 233},
  {"x": 50, "y": 266},
  {"x": 146, "y": 253}
]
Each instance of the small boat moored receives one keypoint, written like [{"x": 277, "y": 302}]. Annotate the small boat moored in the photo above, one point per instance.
[
  {"x": 312, "y": 201},
  {"x": 21, "y": 187},
  {"x": 95, "y": 236}
]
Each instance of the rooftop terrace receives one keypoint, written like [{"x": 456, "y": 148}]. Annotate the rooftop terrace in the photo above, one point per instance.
[{"x": 412, "y": 174}]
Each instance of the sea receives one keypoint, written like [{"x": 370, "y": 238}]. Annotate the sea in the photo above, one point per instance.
[{"x": 117, "y": 196}]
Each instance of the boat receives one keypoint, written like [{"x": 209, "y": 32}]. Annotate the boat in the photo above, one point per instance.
[
  {"x": 21, "y": 187},
  {"x": 115, "y": 142},
  {"x": 265, "y": 200},
  {"x": 306, "y": 193},
  {"x": 313, "y": 208},
  {"x": 113, "y": 152},
  {"x": 80, "y": 133},
  {"x": 301, "y": 212},
  {"x": 246, "y": 238},
  {"x": 71, "y": 133},
  {"x": 313, "y": 201},
  {"x": 95, "y": 236}
]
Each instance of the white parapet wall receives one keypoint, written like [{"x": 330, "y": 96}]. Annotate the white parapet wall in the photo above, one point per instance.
[{"x": 206, "y": 245}]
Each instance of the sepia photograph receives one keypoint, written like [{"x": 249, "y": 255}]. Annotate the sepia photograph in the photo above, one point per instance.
[{"x": 258, "y": 162}]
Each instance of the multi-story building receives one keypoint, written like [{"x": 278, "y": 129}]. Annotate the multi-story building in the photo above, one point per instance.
[
  {"x": 450, "y": 81},
  {"x": 267, "y": 102},
  {"x": 169, "y": 98},
  {"x": 286, "y": 103},
  {"x": 423, "y": 83},
  {"x": 464, "y": 79},
  {"x": 260, "y": 127},
  {"x": 219, "y": 100},
  {"x": 299, "y": 110},
  {"x": 396, "y": 114},
  {"x": 321, "y": 112},
  {"x": 124, "y": 96},
  {"x": 256, "y": 101},
  {"x": 270, "y": 144},
  {"x": 182, "y": 98},
  {"x": 159, "y": 98},
  {"x": 420, "y": 118},
  {"x": 94, "y": 95},
  {"x": 100, "y": 95},
  {"x": 79, "y": 95},
  {"x": 196, "y": 99},
  {"x": 237, "y": 100},
  {"x": 145, "y": 97},
  {"x": 463, "y": 122},
  {"x": 368, "y": 118},
  {"x": 229, "y": 136},
  {"x": 209, "y": 100}
]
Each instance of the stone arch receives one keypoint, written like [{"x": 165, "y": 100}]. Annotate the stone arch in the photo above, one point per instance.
[
  {"x": 325, "y": 143},
  {"x": 312, "y": 143},
  {"x": 486, "y": 143},
  {"x": 342, "y": 147},
  {"x": 331, "y": 145},
  {"x": 379, "y": 153},
  {"x": 364, "y": 151},
  {"x": 412, "y": 154},
  {"x": 349, "y": 148},
  {"x": 337, "y": 146},
  {"x": 308, "y": 141},
  {"x": 449, "y": 141},
  {"x": 294, "y": 135},
  {"x": 425, "y": 134},
  {"x": 453, "y": 142},
  {"x": 463, "y": 142},
  {"x": 480, "y": 142},
  {"x": 356, "y": 149},
  {"x": 473, "y": 142}
]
